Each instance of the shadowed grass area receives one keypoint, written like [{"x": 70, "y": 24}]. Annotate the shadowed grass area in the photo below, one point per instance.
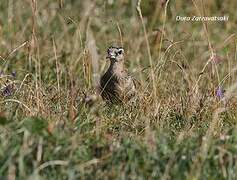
[{"x": 182, "y": 123}]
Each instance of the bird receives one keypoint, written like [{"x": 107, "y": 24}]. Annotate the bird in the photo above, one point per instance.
[{"x": 116, "y": 84}]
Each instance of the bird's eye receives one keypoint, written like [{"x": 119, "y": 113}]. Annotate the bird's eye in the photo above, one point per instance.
[{"x": 120, "y": 51}]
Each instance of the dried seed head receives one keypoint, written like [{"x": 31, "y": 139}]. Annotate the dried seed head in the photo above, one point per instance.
[{"x": 216, "y": 59}]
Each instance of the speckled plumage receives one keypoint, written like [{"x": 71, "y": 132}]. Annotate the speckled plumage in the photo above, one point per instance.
[{"x": 116, "y": 85}]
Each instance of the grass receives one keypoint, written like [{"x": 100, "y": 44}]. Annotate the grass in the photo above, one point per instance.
[{"x": 52, "y": 54}]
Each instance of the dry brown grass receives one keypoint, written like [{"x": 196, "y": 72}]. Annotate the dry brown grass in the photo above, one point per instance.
[{"x": 179, "y": 128}]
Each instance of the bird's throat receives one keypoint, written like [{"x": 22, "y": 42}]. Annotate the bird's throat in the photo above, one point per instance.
[{"x": 117, "y": 67}]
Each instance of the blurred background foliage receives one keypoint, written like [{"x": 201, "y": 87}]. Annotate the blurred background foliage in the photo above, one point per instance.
[{"x": 50, "y": 55}]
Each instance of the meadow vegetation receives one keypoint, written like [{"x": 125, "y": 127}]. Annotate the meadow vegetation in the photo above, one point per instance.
[{"x": 183, "y": 122}]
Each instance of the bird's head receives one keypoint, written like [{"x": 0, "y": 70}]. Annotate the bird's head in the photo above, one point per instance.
[{"x": 115, "y": 54}]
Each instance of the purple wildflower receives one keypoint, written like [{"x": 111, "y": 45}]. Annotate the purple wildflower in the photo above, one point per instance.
[
  {"x": 220, "y": 93},
  {"x": 1, "y": 73},
  {"x": 14, "y": 74},
  {"x": 7, "y": 91}
]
